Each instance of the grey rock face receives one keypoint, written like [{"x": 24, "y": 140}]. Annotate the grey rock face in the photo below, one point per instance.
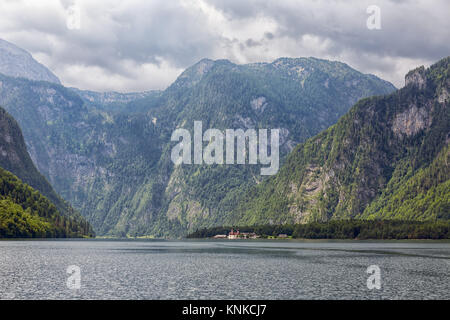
[
  {"x": 16, "y": 62},
  {"x": 110, "y": 97},
  {"x": 411, "y": 121},
  {"x": 416, "y": 77}
]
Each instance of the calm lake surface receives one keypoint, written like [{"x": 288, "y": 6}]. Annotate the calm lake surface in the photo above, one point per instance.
[{"x": 226, "y": 269}]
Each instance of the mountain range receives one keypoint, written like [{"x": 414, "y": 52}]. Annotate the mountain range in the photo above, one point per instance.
[
  {"x": 352, "y": 146},
  {"x": 387, "y": 158},
  {"x": 109, "y": 155}
]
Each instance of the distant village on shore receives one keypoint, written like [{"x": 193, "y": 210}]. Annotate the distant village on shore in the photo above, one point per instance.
[{"x": 236, "y": 234}]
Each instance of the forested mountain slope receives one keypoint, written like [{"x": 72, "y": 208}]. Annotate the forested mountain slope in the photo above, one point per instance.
[
  {"x": 387, "y": 158},
  {"x": 24, "y": 210},
  {"x": 115, "y": 166},
  {"x": 26, "y": 213}
]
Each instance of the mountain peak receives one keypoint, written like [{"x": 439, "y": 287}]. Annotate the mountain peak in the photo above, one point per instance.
[
  {"x": 416, "y": 78},
  {"x": 387, "y": 159},
  {"x": 16, "y": 62},
  {"x": 192, "y": 75}
]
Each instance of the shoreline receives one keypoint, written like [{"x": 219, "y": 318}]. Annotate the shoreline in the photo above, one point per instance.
[{"x": 99, "y": 239}]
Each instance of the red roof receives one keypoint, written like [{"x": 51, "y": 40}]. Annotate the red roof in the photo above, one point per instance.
[{"x": 233, "y": 233}]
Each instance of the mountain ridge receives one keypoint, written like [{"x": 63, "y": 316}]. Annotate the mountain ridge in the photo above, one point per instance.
[
  {"x": 29, "y": 207},
  {"x": 17, "y": 62},
  {"x": 386, "y": 158},
  {"x": 113, "y": 164}
]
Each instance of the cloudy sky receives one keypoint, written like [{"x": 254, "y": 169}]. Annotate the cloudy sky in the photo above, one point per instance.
[{"x": 136, "y": 45}]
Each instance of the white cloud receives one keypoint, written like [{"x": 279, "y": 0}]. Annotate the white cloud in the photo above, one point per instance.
[
  {"x": 140, "y": 45},
  {"x": 139, "y": 77}
]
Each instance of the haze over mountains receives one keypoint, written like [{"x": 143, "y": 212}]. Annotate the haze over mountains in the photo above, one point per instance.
[
  {"x": 109, "y": 153},
  {"x": 16, "y": 62}
]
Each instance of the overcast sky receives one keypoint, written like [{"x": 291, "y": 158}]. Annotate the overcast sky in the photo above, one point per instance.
[{"x": 137, "y": 45}]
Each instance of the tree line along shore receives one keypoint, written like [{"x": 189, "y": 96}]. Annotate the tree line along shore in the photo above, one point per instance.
[{"x": 340, "y": 229}]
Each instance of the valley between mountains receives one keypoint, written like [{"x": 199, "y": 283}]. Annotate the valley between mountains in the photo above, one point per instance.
[{"x": 352, "y": 146}]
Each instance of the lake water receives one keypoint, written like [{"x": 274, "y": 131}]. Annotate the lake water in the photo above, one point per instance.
[{"x": 226, "y": 269}]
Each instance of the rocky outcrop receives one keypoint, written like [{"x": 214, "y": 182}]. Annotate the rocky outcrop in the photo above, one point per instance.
[
  {"x": 411, "y": 121},
  {"x": 416, "y": 77}
]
